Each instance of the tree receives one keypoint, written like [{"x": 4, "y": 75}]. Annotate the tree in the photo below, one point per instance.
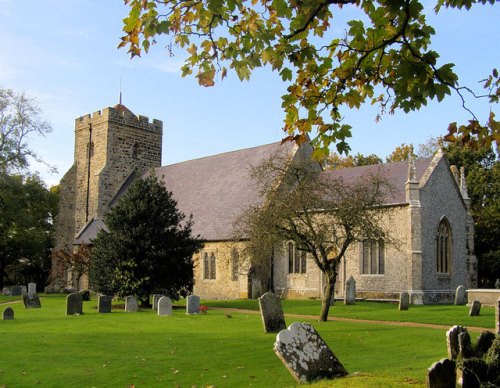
[
  {"x": 19, "y": 119},
  {"x": 148, "y": 247},
  {"x": 383, "y": 58},
  {"x": 27, "y": 211},
  {"x": 401, "y": 153},
  {"x": 335, "y": 161},
  {"x": 321, "y": 214},
  {"x": 77, "y": 262}
]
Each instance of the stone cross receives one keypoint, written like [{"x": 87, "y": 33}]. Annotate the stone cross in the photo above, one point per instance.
[
  {"x": 404, "y": 301},
  {"x": 193, "y": 304},
  {"x": 165, "y": 306},
  {"x": 271, "y": 313},
  {"x": 31, "y": 288},
  {"x": 6, "y": 291},
  {"x": 131, "y": 304},
  {"x": 104, "y": 303},
  {"x": 305, "y": 354},
  {"x": 452, "y": 341},
  {"x": 497, "y": 316},
  {"x": 74, "y": 304},
  {"x": 156, "y": 298},
  {"x": 8, "y": 314},
  {"x": 442, "y": 374},
  {"x": 350, "y": 291},
  {"x": 31, "y": 301},
  {"x": 460, "y": 295},
  {"x": 475, "y": 308},
  {"x": 16, "y": 290}
]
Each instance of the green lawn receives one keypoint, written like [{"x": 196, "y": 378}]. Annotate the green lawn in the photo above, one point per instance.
[{"x": 47, "y": 348}]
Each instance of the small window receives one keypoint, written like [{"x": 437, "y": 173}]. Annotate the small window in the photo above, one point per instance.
[
  {"x": 444, "y": 247},
  {"x": 209, "y": 266},
  {"x": 373, "y": 257},
  {"x": 296, "y": 259},
  {"x": 235, "y": 264}
]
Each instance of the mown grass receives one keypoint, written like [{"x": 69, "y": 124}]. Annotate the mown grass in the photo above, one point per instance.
[{"x": 47, "y": 348}]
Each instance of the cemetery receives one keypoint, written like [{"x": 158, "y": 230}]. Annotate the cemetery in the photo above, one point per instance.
[{"x": 266, "y": 342}]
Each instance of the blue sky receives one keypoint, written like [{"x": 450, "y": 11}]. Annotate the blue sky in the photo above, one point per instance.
[{"x": 64, "y": 54}]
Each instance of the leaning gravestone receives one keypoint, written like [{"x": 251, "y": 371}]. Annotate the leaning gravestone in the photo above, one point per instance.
[
  {"x": 442, "y": 374},
  {"x": 8, "y": 314},
  {"x": 193, "y": 304},
  {"x": 271, "y": 313},
  {"x": 31, "y": 301},
  {"x": 460, "y": 295},
  {"x": 475, "y": 308},
  {"x": 6, "y": 291},
  {"x": 31, "y": 288},
  {"x": 404, "y": 301},
  {"x": 74, "y": 304},
  {"x": 305, "y": 354},
  {"x": 156, "y": 298},
  {"x": 452, "y": 341},
  {"x": 104, "y": 303},
  {"x": 131, "y": 304},
  {"x": 350, "y": 291},
  {"x": 165, "y": 306},
  {"x": 16, "y": 290}
]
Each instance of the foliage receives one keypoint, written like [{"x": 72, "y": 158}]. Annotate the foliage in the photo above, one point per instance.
[
  {"x": 27, "y": 211},
  {"x": 148, "y": 247},
  {"x": 401, "y": 153},
  {"x": 383, "y": 57},
  {"x": 19, "y": 119},
  {"x": 78, "y": 262},
  {"x": 336, "y": 161},
  {"x": 322, "y": 214}
]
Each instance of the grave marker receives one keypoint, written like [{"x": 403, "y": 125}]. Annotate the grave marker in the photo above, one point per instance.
[
  {"x": 131, "y": 304},
  {"x": 16, "y": 290},
  {"x": 74, "y": 304},
  {"x": 8, "y": 314},
  {"x": 404, "y": 301},
  {"x": 475, "y": 308},
  {"x": 104, "y": 304},
  {"x": 156, "y": 298},
  {"x": 31, "y": 301},
  {"x": 6, "y": 291},
  {"x": 460, "y": 295},
  {"x": 350, "y": 291},
  {"x": 271, "y": 313},
  {"x": 193, "y": 304},
  {"x": 165, "y": 306},
  {"x": 442, "y": 374},
  {"x": 31, "y": 288},
  {"x": 305, "y": 354},
  {"x": 452, "y": 341}
]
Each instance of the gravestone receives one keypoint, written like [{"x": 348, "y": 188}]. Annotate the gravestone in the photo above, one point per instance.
[
  {"x": 74, "y": 304},
  {"x": 193, "y": 304},
  {"x": 305, "y": 354},
  {"x": 156, "y": 298},
  {"x": 49, "y": 290},
  {"x": 8, "y": 314},
  {"x": 464, "y": 345},
  {"x": 442, "y": 374},
  {"x": 131, "y": 304},
  {"x": 483, "y": 343},
  {"x": 271, "y": 312},
  {"x": 165, "y": 306},
  {"x": 475, "y": 308},
  {"x": 256, "y": 288},
  {"x": 404, "y": 301},
  {"x": 85, "y": 295},
  {"x": 460, "y": 295},
  {"x": 6, "y": 291},
  {"x": 31, "y": 301},
  {"x": 24, "y": 290},
  {"x": 16, "y": 290},
  {"x": 31, "y": 288},
  {"x": 350, "y": 291},
  {"x": 497, "y": 316},
  {"x": 452, "y": 341},
  {"x": 104, "y": 303}
]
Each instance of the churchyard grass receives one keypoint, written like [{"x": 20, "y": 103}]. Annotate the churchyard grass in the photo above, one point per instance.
[{"x": 46, "y": 347}]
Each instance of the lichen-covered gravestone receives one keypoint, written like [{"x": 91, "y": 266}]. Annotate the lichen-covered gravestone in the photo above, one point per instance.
[
  {"x": 165, "y": 306},
  {"x": 6, "y": 291},
  {"x": 193, "y": 304},
  {"x": 8, "y": 314},
  {"x": 460, "y": 295},
  {"x": 131, "y": 304},
  {"x": 271, "y": 312},
  {"x": 452, "y": 341},
  {"x": 305, "y": 354},
  {"x": 156, "y": 298},
  {"x": 404, "y": 301},
  {"x": 31, "y": 301},
  {"x": 475, "y": 308},
  {"x": 74, "y": 304},
  {"x": 350, "y": 291},
  {"x": 31, "y": 288},
  {"x": 442, "y": 374},
  {"x": 104, "y": 303}
]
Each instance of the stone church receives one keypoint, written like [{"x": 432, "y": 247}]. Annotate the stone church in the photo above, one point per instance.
[{"x": 429, "y": 215}]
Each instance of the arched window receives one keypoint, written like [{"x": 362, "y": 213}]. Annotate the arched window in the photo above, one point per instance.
[
  {"x": 209, "y": 265},
  {"x": 235, "y": 264},
  {"x": 296, "y": 259},
  {"x": 212, "y": 266},
  {"x": 373, "y": 257},
  {"x": 443, "y": 247}
]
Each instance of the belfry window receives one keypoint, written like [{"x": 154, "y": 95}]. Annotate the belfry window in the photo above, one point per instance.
[{"x": 443, "y": 247}]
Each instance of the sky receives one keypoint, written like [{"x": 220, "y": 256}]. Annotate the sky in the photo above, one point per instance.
[{"x": 64, "y": 54}]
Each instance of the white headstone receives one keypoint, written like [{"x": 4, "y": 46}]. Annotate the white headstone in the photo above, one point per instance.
[
  {"x": 165, "y": 306},
  {"x": 193, "y": 304},
  {"x": 31, "y": 288},
  {"x": 131, "y": 305},
  {"x": 460, "y": 295}
]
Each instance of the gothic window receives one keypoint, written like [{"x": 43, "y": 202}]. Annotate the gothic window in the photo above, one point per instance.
[
  {"x": 443, "y": 247},
  {"x": 296, "y": 259},
  {"x": 373, "y": 257},
  {"x": 209, "y": 266},
  {"x": 235, "y": 264}
]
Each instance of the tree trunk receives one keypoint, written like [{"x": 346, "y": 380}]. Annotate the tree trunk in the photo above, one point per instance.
[{"x": 327, "y": 296}]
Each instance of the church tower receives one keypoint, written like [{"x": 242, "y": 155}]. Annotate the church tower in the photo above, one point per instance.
[{"x": 110, "y": 145}]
